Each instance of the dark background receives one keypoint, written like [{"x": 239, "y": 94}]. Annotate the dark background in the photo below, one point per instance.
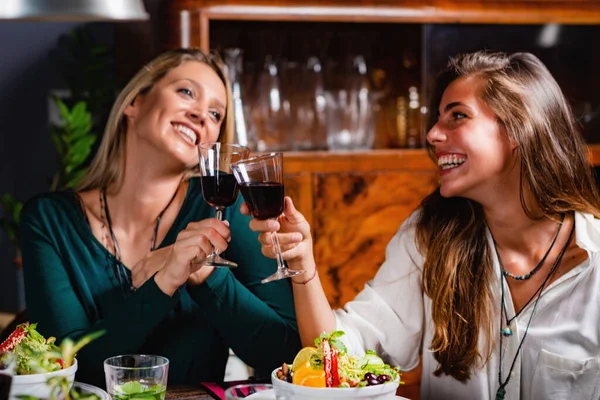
[
  {"x": 27, "y": 158},
  {"x": 27, "y": 76}
]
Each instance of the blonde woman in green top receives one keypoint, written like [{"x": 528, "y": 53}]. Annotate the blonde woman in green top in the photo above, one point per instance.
[{"x": 116, "y": 254}]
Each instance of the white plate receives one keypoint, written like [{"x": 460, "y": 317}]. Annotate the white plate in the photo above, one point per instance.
[
  {"x": 270, "y": 395},
  {"x": 89, "y": 389},
  {"x": 264, "y": 395}
]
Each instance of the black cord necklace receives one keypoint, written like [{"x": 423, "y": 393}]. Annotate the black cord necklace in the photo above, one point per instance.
[
  {"x": 539, "y": 265},
  {"x": 500, "y": 393},
  {"x": 120, "y": 268},
  {"x": 507, "y": 331}
]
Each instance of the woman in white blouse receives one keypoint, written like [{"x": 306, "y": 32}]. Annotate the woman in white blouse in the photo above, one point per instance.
[{"x": 494, "y": 279}]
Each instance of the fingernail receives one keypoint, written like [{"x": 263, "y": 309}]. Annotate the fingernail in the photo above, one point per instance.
[
  {"x": 272, "y": 225},
  {"x": 226, "y": 222},
  {"x": 297, "y": 237}
]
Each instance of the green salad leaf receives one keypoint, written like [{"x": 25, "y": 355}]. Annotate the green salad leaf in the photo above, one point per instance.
[
  {"x": 351, "y": 367},
  {"x": 31, "y": 353}
]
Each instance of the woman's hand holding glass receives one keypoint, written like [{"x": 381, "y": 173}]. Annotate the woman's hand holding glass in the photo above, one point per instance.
[
  {"x": 219, "y": 187},
  {"x": 293, "y": 232},
  {"x": 196, "y": 241},
  {"x": 261, "y": 183}
]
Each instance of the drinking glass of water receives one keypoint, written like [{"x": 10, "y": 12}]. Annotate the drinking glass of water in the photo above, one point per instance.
[{"x": 135, "y": 376}]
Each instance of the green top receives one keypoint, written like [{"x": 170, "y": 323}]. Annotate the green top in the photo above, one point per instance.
[{"x": 72, "y": 288}]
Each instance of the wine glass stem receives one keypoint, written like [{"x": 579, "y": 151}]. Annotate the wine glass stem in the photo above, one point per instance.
[
  {"x": 279, "y": 257},
  {"x": 219, "y": 216}
]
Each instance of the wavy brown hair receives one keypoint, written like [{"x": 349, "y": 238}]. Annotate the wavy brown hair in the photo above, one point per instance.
[
  {"x": 532, "y": 111},
  {"x": 108, "y": 164}
]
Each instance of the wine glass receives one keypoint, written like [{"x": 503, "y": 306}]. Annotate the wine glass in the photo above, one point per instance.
[
  {"x": 219, "y": 187},
  {"x": 261, "y": 183}
]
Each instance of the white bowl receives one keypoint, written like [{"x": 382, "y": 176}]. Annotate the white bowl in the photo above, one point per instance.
[
  {"x": 89, "y": 389},
  {"x": 35, "y": 384},
  {"x": 288, "y": 391}
]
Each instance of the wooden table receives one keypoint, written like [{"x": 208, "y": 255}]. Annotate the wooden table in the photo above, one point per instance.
[{"x": 188, "y": 392}]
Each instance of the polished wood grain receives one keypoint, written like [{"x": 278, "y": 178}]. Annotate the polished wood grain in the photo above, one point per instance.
[
  {"x": 355, "y": 202},
  {"x": 594, "y": 154},
  {"x": 355, "y": 216}
]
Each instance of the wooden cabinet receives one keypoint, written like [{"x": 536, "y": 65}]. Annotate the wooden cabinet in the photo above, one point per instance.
[
  {"x": 201, "y": 12},
  {"x": 355, "y": 201}
]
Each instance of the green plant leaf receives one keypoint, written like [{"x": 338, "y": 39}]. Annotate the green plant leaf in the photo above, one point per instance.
[
  {"x": 16, "y": 212},
  {"x": 65, "y": 114},
  {"x": 79, "y": 113},
  {"x": 9, "y": 229},
  {"x": 76, "y": 177}
]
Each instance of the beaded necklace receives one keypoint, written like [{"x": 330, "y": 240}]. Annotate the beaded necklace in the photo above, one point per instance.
[
  {"x": 507, "y": 331},
  {"x": 500, "y": 393},
  {"x": 119, "y": 267},
  {"x": 539, "y": 265}
]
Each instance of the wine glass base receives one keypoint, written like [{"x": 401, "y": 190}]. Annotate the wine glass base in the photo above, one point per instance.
[
  {"x": 282, "y": 274},
  {"x": 218, "y": 262}
]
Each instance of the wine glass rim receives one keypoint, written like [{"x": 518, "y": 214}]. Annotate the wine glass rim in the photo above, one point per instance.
[
  {"x": 259, "y": 158},
  {"x": 162, "y": 361},
  {"x": 234, "y": 145}
]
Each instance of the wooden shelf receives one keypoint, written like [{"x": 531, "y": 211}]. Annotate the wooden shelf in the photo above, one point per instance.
[
  {"x": 369, "y": 160},
  {"x": 595, "y": 154},
  {"x": 356, "y": 161},
  {"x": 197, "y": 14},
  {"x": 417, "y": 11}
]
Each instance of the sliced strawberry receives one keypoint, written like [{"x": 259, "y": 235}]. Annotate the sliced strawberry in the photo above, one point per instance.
[
  {"x": 334, "y": 368},
  {"x": 13, "y": 339}
]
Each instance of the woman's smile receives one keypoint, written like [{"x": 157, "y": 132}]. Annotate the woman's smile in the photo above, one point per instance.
[
  {"x": 185, "y": 132},
  {"x": 449, "y": 162}
]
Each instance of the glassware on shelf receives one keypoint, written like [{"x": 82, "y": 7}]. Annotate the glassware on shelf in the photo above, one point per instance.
[
  {"x": 245, "y": 132},
  {"x": 270, "y": 110},
  {"x": 349, "y": 110},
  {"x": 304, "y": 89}
]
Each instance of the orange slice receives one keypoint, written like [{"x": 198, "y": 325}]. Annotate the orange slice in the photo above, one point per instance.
[{"x": 303, "y": 357}]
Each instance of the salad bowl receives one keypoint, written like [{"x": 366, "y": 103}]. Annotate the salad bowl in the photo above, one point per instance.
[
  {"x": 36, "y": 384},
  {"x": 327, "y": 371},
  {"x": 289, "y": 391}
]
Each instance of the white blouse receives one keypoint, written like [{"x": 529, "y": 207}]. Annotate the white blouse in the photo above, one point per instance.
[{"x": 559, "y": 359}]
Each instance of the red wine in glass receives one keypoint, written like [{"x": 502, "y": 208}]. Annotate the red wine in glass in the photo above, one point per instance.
[
  {"x": 220, "y": 190},
  {"x": 265, "y": 199},
  {"x": 261, "y": 183},
  {"x": 219, "y": 186}
]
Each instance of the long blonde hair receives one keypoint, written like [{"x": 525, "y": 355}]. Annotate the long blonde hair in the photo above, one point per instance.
[
  {"x": 451, "y": 232},
  {"x": 108, "y": 164}
]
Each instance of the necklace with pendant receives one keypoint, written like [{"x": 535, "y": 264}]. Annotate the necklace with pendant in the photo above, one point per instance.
[
  {"x": 507, "y": 331},
  {"x": 120, "y": 269},
  {"x": 501, "y": 392}
]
